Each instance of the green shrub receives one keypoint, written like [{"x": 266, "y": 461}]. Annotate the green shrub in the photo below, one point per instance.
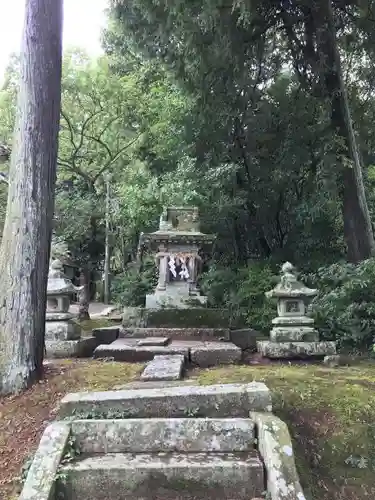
[
  {"x": 344, "y": 309},
  {"x": 243, "y": 288},
  {"x": 130, "y": 288}
]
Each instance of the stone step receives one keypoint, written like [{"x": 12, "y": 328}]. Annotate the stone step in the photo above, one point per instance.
[
  {"x": 200, "y": 353},
  {"x": 178, "y": 333},
  {"x": 152, "y": 435},
  {"x": 165, "y": 476},
  {"x": 123, "y": 350},
  {"x": 164, "y": 367},
  {"x": 295, "y": 350},
  {"x": 223, "y": 400}
]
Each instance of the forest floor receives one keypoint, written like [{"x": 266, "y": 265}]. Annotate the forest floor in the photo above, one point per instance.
[{"x": 330, "y": 414}]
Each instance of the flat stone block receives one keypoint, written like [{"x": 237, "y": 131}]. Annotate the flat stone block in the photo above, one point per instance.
[
  {"x": 62, "y": 330},
  {"x": 121, "y": 351},
  {"x": 187, "y": 435},
  {"x": 154, "y": 341},
  {"x": 177, "y": 333},
  {"x": 293, "y": 321},
  {"x": 82, "y": 348},
  {"x": 295, "y": 350},
  {"x": 40, "y": 481},
  {"x": 215, "y": 353},
  {"x": 246, "y": 338},
  {"x": 194, "y": 317},
  {"x": 225, "y": 400},
  {"x": 106, "y": 335},
  {"x": 167, "y": 367},
  {"x": 162, "y": 300},
  {"x": 165, "y": 476},
  {"x": 275, "y": 447},
  {"x": 59, "y": 316},
  {"x": 294, "y": 334}
]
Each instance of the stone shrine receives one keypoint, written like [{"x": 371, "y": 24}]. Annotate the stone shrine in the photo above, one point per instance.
[
  {"x": 293, "y": 334},
  {"x": 62, "y": 335},
  {"x": 177, "y": 242}
]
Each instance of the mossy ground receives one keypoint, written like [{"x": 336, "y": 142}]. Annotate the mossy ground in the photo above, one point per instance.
[
  {"x": 330, "y": 414},
  {"x": 331, "y": 417}
]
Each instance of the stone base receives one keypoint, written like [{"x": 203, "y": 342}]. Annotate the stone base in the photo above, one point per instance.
[
  {"x": 106, "y": 335},
  {"x": 167, "y": 367},
  {"x": 245, "y": 338},
  {"x": 177, "y": 333},
  {"x": 294, "y": 334},
  {"x": 295, "y": 350},
  {"x": 215, "y": 353},
  {"x": 57, "y": 330},
  {"x": 200, "y": 353},
  {"x": 161, "y": 300},
  {"x": 82, "y": 348}
]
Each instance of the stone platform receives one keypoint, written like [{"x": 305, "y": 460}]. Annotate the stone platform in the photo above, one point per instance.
[
  {"x": 178, "y": 333},
  {"x": 295, "y": 350},
  {"x": 198, "y": 352}
]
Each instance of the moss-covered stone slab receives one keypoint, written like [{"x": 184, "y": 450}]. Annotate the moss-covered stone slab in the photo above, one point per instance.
[
  {"x": 295, "y": 350},
  {"x": 40, "y": 481},
  {"x": 245, "y": 338},
  {"x": 167, "y": 367},
  {"x": 161, "y": 476},
  {"x": 177, "y": 333},
  {"x": 275, "y": 447},
  {"x": 82, "y": 348},
  {"x": 215, "y": 353},
  {"x": 153, "y": 435},
  {"x": 223, "y": 400},
  {"x": 187, "y": 318}
]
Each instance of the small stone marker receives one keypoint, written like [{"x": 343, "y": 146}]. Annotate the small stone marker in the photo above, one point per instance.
[
  {"x": 161, "y": 341},
  {"x": 164, "y": 367}
]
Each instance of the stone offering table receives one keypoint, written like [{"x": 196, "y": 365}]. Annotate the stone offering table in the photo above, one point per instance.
[{"x": 293, "y": 334}]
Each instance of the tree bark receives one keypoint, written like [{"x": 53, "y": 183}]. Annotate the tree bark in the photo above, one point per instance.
[
  {"x": 358, "y": 230},
  {"x": 25, "y": 248},
  {"x": 84, "y": 296}
]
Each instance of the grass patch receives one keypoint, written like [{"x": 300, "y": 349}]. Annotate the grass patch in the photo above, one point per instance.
[
  {"x": 331, "y": 416},
  {"x": 23, "y": 418}
]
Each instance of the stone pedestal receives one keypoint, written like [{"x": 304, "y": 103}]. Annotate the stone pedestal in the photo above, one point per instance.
[
  {"x": 63, "y": 334},
  {"x": 293, "y": 334}
]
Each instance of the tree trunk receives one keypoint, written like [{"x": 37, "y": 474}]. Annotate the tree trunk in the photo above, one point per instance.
[
  {"x": 107, "y": 256},
  {"x": 25, "y": 248},
  {"x": 358, "y": 231},
  {"x": 84, "y": 296}
]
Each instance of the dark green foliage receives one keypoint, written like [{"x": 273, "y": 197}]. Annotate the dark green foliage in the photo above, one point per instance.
[
  {"x": 130, "y": 288},
  {"x": 344, "y": 310},
  {"x": 243, "y": 290}
]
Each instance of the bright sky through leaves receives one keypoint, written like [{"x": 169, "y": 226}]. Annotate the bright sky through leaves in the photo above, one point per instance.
[{"x": 83, "y": 21}]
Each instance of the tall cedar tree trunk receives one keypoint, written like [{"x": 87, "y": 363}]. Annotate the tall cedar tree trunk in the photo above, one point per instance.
[
  {"x": 84, "y": 296},
  {"x": 25, "y": 248},
  {"x": 358, "y": 231}
]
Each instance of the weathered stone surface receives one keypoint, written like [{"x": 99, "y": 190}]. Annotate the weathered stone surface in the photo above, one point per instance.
[
  {"x": 154, "y": 341},
  {"x": 275, "y": 447},
  {"x": 227, "y": 400},
  {"x": 82, "y": 348},
  {"x": 40, "y": 481},
  {"x": 153, "y": 384},
  {"x": 59, "y": 316},
  {"x": 294, "y": 334},
  {"x": 293, "y": 321},
  {"x": 106, "y": 335},
  {"x": 164, "y": 476},
  {"x": 339, "y": 360},
  {"x": 153, "y": 435},
  {"x": 290, "y": 350},
  {"x": 168, "y": 367},
  {"x": 215, "y": 353},
  {"x": 245, "y": 338},
  {"x": 62, "y": 330},
  {"x": 177, "y": 333},
  {"x": 133, "y": 317},
  {"x": 122, "y": 351},
  {"x": 198, "y": 317}
]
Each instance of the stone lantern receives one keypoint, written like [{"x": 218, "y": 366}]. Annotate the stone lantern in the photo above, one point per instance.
[
  {"x": 293, "y": 334},
  {"x": 63, "y": 334}
]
